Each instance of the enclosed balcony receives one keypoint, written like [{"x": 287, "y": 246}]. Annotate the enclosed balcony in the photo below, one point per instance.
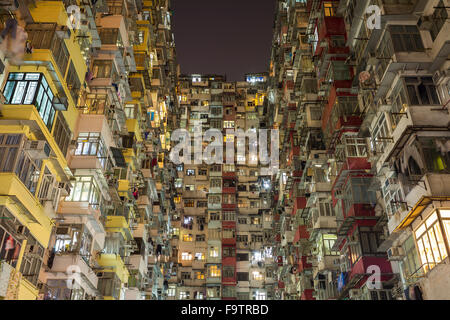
[{"x": 51, "y": 50}]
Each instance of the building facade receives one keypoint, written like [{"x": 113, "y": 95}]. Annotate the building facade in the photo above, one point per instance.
[
  {"x": 359, "y": 90},
  {"x": 94, "y": 207},
  {"x": 85, "y": 118}
]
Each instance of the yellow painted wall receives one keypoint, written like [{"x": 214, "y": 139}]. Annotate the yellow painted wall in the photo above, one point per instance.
[{"x": 11, "y": 185}]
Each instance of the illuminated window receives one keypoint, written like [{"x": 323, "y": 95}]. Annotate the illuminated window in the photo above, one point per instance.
[
  {"x": 258, "y": 276},
  {"x": 212, "y": 292},
  {"x": 229, "y": 168},
  {"x": 259, "y": 295},
  {"x": 199, "y": 275},
  {"x": 199, "y": 295},
  {"x": 229, "y": 137},
  {"x": 186, "y": 256},
  {"x": 85, "y": 189},
  {"x": 213, "y": 271},
  {"x": 176, "y": 231},
  {"x": 171, "y": 291},
  {"x": 430, "y": 241},
  {"x": 184, "y": 295},
  {"x": 228, "y": 124},
  {"x": 199, "y": 256},
  {"x": 187, "y": 238},
  {"x": 31, "y": 88},
  {"x": 189, "y": 203},
  {"x": 328, "y": 9},
  {"x": 213, "y": 252}
]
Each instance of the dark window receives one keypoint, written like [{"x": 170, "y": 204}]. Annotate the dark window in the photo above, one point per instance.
[
  {"x": 62, "y": 133},
  {"x": 44, "y": 36},
  {"x": 73, "y": 82},
  {"x": 439, "y": 18},
  {"x": 200, "y": 237},
  {"x": 242, "y": 257},
  {"x": 242, "y": 276},
  {"x": 406, "y": 38},
  {"x": 109, "y": 35},
  {"x": 229, "y": 251},
  {"x": 228, "y": 272},
  {"x": 421, "y": 91},
  {"x": 13, "y": 158}
]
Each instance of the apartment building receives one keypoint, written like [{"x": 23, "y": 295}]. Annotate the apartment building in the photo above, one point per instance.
[
  {"x": 85, "y": 117},
  {"x": 93, "y": 208},
  {"x": 361, "y": 103},
  {"x": 220, "y": 239}
]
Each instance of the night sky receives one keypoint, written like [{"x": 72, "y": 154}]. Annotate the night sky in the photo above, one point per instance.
[{"x": 226, "y": 37}]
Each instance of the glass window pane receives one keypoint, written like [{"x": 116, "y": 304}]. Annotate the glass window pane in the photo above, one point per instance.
[
  {"x": 30, "y": 92},
  {"x": 19, "y": 92}
]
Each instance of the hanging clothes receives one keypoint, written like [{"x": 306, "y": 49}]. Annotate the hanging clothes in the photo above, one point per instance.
[{"x": 9, "y": 243}]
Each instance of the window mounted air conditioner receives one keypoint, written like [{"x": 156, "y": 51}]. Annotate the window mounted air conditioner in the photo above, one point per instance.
[
  {"x": 395, "y": 253},
  {"x": 37, "y": 149}
]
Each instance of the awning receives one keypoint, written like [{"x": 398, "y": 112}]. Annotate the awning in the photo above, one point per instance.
[
  {"x": 118, "y": 157},
  {"x": 417, "y": 210}
]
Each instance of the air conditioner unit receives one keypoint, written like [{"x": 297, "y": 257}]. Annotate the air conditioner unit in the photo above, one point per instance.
[
  {"x": 395, "y": 253},
  {"x": 37, "y": 149}
]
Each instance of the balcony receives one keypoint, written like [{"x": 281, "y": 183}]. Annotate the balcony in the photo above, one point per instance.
[
  {"x": 52, "y": 51},
  {"x": 24, "y": 205},
  {"x": 64, "y": 262},
  {"x": 412, "y": 119},
  {"x": 114, "y": 263},
  {"x": 30, "y": 115}
]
